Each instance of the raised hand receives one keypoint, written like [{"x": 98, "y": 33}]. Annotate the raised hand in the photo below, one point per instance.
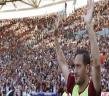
[
  {"x": 58, "y": 20},
  {"x": 89, "y": 11}
]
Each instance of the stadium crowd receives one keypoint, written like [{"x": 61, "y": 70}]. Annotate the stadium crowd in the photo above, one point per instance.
[{"x": 27, "y": 56}]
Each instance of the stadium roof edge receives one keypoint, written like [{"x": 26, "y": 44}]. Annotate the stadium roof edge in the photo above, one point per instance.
[{"x": 47, "y": 9}]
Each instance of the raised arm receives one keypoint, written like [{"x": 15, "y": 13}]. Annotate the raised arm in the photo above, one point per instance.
[
  {"x": 95, "y": 72},
  {"x": 61, "y": 58}
]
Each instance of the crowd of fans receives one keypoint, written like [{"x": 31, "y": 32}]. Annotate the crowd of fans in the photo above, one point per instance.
[{"x": 27, "y": 55}]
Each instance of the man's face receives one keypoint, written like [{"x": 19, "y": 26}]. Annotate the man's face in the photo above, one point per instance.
[{"x": 80, "y": 70}]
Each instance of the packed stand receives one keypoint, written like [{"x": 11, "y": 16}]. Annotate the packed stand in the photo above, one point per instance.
[{"x": 27, "y": 56}]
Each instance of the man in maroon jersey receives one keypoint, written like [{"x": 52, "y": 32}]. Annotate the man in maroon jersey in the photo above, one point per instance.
[{"x": 79, "y": 83}]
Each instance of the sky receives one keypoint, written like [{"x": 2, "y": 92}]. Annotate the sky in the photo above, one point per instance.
[{"x": 42, "y": 11}]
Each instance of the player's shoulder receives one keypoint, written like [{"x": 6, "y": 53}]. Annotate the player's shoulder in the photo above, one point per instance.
[
  {"x": 91, "y": 90},
  {"x": 70, "y": 82}
]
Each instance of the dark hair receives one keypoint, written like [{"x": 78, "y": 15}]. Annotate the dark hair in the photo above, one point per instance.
[{"x": 85, "y": 53}]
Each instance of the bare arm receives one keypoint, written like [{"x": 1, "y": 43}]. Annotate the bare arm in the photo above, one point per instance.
[
  {"x": 61, "y": 59},
  {"x": 96, "y": 76}
]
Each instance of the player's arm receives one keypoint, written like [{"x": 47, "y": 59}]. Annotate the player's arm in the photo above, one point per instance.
[
  {"x": 60, "y": 57},
  {"x": 96, "y": 76},
  {"x": 95, "y": 72}
]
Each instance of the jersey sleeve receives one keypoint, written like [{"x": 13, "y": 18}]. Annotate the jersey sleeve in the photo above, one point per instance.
[
  {"x": 92, "y": 91},
  {"x": 70, "y": 83}
]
